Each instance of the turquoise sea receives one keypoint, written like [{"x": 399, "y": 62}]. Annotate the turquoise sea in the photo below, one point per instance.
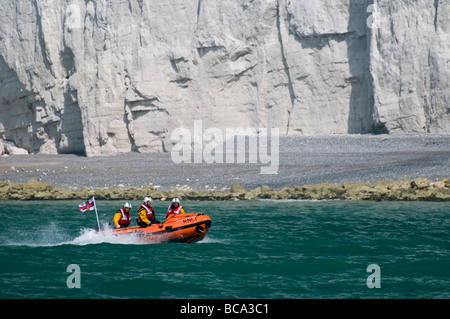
[{"x": 255, "y": 249}]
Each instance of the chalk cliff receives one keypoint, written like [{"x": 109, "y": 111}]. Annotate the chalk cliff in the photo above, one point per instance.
[{"x": 106, "y": 77}]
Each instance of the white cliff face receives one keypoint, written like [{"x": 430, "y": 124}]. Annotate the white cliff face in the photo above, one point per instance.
[
  {"x": 106, "y": 77},
  {"x": 410, "y": 66}
]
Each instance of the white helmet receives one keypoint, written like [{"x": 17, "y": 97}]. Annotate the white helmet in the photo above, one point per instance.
[
  {"x": 146, "y": 199},
  {"x": 127, "y": 205},
  {"x": 175, "y": 200}
]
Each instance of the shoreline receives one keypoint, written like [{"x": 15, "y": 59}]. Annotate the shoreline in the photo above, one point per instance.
[
  {"x": 310, "y": 167},
  {"x": 419, "y": 189}
]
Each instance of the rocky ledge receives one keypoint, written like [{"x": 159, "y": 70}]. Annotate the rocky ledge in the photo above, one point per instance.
[{"x": 420, "y": 189}]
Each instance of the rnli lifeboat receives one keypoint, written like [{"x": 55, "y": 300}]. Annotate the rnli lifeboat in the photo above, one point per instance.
[{"x": 185, "y": 228}]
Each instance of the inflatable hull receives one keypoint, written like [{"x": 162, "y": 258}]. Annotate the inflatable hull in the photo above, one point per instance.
[{"x": 186, "y": 228}]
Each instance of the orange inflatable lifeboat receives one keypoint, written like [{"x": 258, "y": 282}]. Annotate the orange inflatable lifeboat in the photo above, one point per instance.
[{"x": 185, "y": 228}]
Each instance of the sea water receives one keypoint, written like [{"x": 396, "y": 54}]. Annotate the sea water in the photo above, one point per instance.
[{"x": 255, "y": 249}]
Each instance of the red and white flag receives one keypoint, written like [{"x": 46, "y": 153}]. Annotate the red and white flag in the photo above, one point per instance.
[{"x": 87, "y": 206}]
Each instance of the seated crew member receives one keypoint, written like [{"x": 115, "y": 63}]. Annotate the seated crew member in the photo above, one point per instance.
[
  {"x": 175, "y": 208},
  {"x": 146, "y": 213},
  {"x": 122, "y": 218}
]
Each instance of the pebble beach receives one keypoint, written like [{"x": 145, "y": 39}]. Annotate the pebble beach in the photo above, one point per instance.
[{"x": 333, "y": 160}]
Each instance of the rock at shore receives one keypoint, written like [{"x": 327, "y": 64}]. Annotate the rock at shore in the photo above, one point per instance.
[{"x": 405, "y": 190}]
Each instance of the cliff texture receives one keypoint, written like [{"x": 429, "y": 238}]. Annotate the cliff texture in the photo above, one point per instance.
[{"x": 107, "y": 77}]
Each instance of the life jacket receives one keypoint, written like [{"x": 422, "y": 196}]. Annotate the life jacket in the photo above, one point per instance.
[
  {"x": 150, "y": 212},
  {"x": 125, "y": 220},
  {"x": 172, "y": 210}
]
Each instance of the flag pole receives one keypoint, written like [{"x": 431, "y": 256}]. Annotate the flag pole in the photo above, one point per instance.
[{"x": 96, "y": 213}]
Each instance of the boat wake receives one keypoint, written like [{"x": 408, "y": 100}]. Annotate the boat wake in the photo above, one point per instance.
[
  {"x": 53, "y": 235},
  {"x": 44, "y": 236},
  {"x": 91, "y": 236},
  {"x": 212, "y": 240}
]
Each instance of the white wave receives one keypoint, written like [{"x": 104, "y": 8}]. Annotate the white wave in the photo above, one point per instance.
[
  {"x": 212, "y": 240},
  {"x": 91, "y": 236},
  {"x": 48, "y": 236},
  {"x": 52, "y": 235}
]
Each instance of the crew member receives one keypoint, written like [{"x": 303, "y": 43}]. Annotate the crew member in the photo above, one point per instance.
[
  {"x": 175, "y": 208},
  {"x": 122, "y": 218},
  {"x": 146, "y": 213}
]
